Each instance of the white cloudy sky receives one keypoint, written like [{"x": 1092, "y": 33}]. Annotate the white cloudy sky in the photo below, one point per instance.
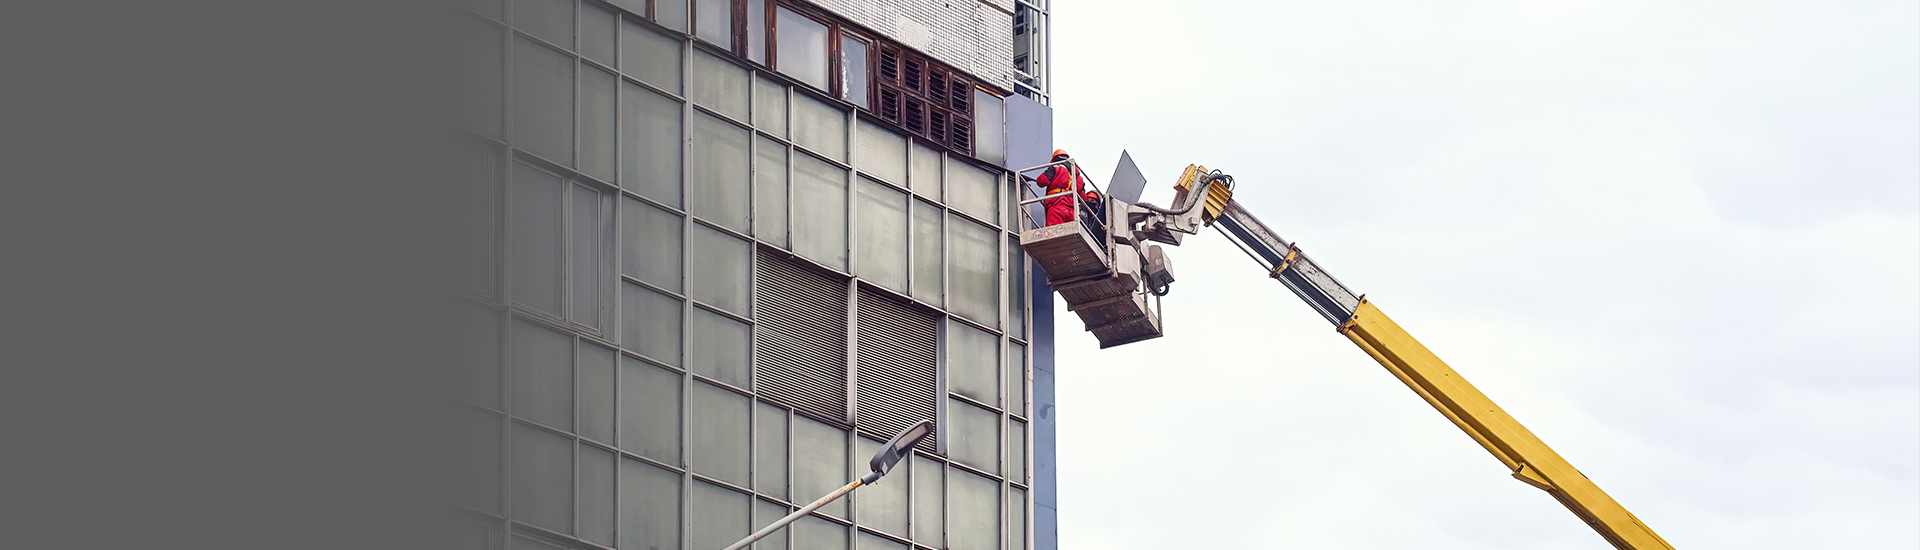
[{"x": 1678, "y": 240}]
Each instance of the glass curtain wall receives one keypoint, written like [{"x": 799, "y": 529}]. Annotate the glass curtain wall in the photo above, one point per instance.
[{"x": 622, "y": 179}]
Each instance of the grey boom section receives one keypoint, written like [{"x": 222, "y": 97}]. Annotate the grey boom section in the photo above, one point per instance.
[{"x": 1314, "y": 285}]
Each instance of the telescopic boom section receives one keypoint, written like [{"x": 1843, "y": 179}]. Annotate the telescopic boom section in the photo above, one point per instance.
[{"x": 1523, "y": 453}]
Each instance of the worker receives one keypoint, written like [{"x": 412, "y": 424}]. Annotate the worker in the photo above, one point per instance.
[{"x": 1059, "y": 178}]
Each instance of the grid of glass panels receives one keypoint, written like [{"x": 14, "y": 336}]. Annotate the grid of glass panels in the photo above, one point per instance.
[{"x": 621, "y": 179}]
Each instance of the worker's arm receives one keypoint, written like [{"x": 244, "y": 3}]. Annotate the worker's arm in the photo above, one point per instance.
[{"x": 1529, "y": 459}]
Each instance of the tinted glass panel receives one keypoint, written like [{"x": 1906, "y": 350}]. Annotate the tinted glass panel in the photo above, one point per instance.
[
  {"x": 720, "y": 172},
  {"x": 549, "y": 20},
  {"x": 587, "y": 256},
  {"x": 973, "y": 362},
  {"x": 883, "y": 154},
  {"x": 542, "y": 375},
  {"x": 717, "y": 435},
  {"x": 820, "y": 462},
  {"x": 976, "y": 436},
  {"x": 650, "y": 411},
  {"x": 820, "y": 211},
  {"x": 649, "y": 506},
  {"x": 651, "y": 237},
  {"x": 819, "y": 128},
  {"x": 650, "y": 147},
  {"x": 757, "y": 30},
  {"x": 651, "y": 323},
  {"x": 542, "y": 478},
  {"x": 802, "y": 52},
  {"x": 720, "y": 272},
  {"x": 1016, "y": 288},
  {"x": 765, "y": 512},
  {"x": 974, "y": 271},
  {"x": 718, "y": 84},
  {"x": 1016, "y": 519},
  {"x": 1016, "y": 369},
  {"x": 770, "y": 451},
  {"x": 597, "y": 392},
  {"x": 974, "y": 507},
  {"x": 477, "y": 349},
  {"x": 543, "y": 101},
  {"x": 715, "y": 20},
  {"x": 719, "y": 348},
  {"x": 853, "y": 60},
  {"x": 926, "y": 172},
  {"x": 770, "y": 192},
  {"x": 597, "y": 28},
  {"x": 596, "y": 494},
  {"x": 929, "y": 500},
  {"x": 869, "y": 541},
  {"x": 671, "y": 14},
  {"x": 597, "y": 108},
  {"x": 974, "y": 191},
  {"x": 650, "y": 56},
  {"x": 479, "y": 439},
  {"x": 989, "y": 136},
  {"x": 883, "y": 235},
  {"x": 480, "y": 76},
  {"x": 716, "y": 516},
  {"x": 536, "y": 224},
  {"x": 1017, "y": 451},
  {"x": 929, "y": 247},
  {"x": 811, "y": 533},
  {"x": 883, "y": 505},
  {"x": 770, "y": 114}
]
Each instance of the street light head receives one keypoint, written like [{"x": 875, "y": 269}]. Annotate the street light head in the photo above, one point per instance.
[{"x": 897, "y": 449}]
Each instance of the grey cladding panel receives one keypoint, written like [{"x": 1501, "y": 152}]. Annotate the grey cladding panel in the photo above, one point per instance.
[
  {"x": 1127, "y": 183},
  {"x": 802, "y": 337}
]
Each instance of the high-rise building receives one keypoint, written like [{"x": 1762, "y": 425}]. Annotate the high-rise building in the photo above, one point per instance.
[{"x": 719, "y": 250}]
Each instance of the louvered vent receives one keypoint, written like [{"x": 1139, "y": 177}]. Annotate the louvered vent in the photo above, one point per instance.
[
  {"x": 915, "y": 117},
  {"x": 935, "y": 102},
  {"x": 937, "y": 85},
  {"x": 890, "y": 105},
  {"x": 937, "y": 126},
  {"x": 896, "y": 384},
  {"x": 890, "y": 64},
  {"x": 910, "y": 76},
  {"x": 962, "y": 94},
  {"x": 802, "y": 337},
  {"x": 962, "y": 134}
]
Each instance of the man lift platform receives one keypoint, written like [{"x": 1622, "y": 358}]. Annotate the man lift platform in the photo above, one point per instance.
[{"x": 1112, "y": 277}]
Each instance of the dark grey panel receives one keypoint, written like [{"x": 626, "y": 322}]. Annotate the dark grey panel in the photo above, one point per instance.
[
  {"x": 1029, "y": 132},
  {"x": 1127, "y": 182}
]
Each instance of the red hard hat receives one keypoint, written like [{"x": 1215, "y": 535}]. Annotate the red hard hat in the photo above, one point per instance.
[{"x": 1059, "y": 154}]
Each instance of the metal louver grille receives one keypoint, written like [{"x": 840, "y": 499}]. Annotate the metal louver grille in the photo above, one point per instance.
[
  {"x": 897, "y": 360},
  {"x": 802, "y": 337}
]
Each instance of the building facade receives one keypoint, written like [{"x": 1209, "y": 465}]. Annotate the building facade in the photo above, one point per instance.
[{"x": 716, "y": 251}]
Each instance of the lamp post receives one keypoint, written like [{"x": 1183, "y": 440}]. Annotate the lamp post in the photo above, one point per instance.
[{"x": 890, "y": 454}]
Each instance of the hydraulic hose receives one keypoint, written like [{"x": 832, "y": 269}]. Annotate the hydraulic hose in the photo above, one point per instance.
[{"x": 1196, "y": 197}]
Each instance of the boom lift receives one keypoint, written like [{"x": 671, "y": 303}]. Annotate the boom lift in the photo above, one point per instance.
[{"x": 1112, "y": 276}]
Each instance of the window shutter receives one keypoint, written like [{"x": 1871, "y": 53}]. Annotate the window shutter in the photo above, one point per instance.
[
  {"x": 896, "y": 384},
  {"x": 801, "y": 337}
]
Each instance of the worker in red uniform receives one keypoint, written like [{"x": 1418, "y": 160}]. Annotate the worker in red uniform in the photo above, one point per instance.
[{"x": 1057, "y": 179}]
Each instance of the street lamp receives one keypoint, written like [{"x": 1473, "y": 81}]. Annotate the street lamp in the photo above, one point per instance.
[{"x": 890, "y": 454}]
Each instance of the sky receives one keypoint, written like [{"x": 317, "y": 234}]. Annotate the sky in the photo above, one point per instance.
[{"x": 1679, "y": 241}]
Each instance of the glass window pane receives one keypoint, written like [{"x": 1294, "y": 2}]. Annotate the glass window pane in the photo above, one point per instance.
[
  {"x": 549, "y": 20},
  {"x": 973, "y": 362},
  {"x": 1016, "y": 288},
  {"x": 479, "y": 460},
  {"x": 720, "y": 272},
  {"x": 757, "y": 31},
  {"x": 718, "y": 84},
  {"x": 883, "y": 154},
  {"x": 770, "y": 451},
  {"x": 975, "y": 191},
  {"x": 802, "y": 51},
  {"x": 671, "y": 14},
  {"x": 597, "y": 28},
  {"x": 477, "y": 350},
  {"x": 883, "y": 505},
  {"x": 1016, "y": 369},
  {"x": 542, "y": 375},
  {"x": 489, "y": 8},
  {"x": 765, "y": 512},
  {"x": 974, "y": 506},
  {"x": 543, "y": 101},
  {"x": 926, "y": 172},
  {"x": 870, "y": 541},
  {"x": 597, "y": 392},
  {"x": 929, "y": 248},
  {"x": 819, "y": 462},
  {"x": 770, "y": 193},
  {"x": 650, "y": 146},
  {"x": 651, "y": 323},
  {"x": 649, "y": 506},
  {"x": 588, "y": 256},
  {"x": 883, "y": 235},
  {"x": 720, "y": 172},
  {"x": 820, "y": 211},
  {"x": 1017, "y": 451},
  {"x": 521, "y": 542},
  {"x": 596, "y": 494},
  {"x": 718, "y": 348},
  {"x": 652, "y": 243},
  {"x": 811, "y": 533},
  {"x": 989, "y": 133},
  {"x": 649, "y": 411},
  {"x": 597, "y": 107},
  {"x": 536, "y": 237},
  {"x": 976, "y": 436},
  {"x": 974, "y": 271},
  {"x": 770, "y": 114},
  {"x": 853, "y": 60},
  {"x": 542, "y": 478},
  {"x": 1016, "y": 519},
  {"x": 649, "y": 56},
  {"x": 929, "y": 500},
  {"x": 715, "y": 19},
  {"x": 717, "y": 516},
  {"x": 480, "y": 76},
  {"x": 819, "y": 127},
  {"x": 717, "y": 435}
]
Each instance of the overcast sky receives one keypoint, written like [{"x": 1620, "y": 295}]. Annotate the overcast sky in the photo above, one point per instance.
[{"x": 1680, "y": 241}]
